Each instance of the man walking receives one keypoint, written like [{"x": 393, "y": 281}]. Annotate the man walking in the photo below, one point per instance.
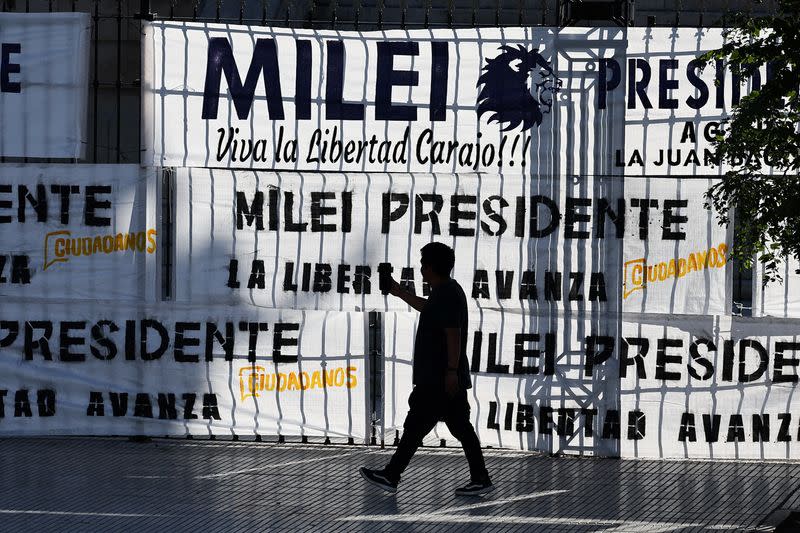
[{"x": 441, "y": 374}]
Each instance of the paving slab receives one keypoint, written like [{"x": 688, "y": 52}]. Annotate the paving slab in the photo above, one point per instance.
[{"x": 114, "y": 484}]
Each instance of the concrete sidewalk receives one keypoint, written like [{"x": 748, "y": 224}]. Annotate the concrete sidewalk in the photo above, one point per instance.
[{"x": 105, "y": 484}]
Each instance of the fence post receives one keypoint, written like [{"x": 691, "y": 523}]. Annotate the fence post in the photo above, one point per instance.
[
  {"x": 167, "y": 234},
  {"x": 375, "y": 350}
]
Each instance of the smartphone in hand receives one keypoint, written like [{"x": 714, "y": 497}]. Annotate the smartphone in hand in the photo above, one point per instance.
[{"x": 385, "y": 277}]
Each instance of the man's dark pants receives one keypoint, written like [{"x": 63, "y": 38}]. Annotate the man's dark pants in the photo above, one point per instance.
[{"x": 427, "y": 406}]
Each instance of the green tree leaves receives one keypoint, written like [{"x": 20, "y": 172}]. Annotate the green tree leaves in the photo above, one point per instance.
[{"x": 764, "y": 126}]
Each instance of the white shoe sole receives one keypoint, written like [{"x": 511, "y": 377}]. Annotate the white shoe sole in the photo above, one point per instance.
[{"x": 391, "y": 490}]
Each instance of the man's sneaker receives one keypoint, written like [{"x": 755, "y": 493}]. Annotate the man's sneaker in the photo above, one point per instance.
[
  {"x": 475, "y": 488},
  {"x": 378, "y": 477}
]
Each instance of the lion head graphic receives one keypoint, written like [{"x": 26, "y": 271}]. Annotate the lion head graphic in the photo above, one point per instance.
[{"x": 504, "y": 90}]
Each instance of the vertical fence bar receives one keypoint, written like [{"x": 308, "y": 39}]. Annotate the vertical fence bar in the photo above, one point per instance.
[
  {"x": 375, "y": 350},
  {"x": 118, "y": 86},
  {"x": 75, "y": 159},
  {"x": 50, "y": 10},
  {"x": 450, "y": 13},
  {"x": 27, "y": 10},
  {"x": 312, "y": 15},
  {"x": 474, "y": 13},
  {"x": 95, "y": 81},
  {"x": 167, "y": 228},
  {"x": 3, "y": 8}
]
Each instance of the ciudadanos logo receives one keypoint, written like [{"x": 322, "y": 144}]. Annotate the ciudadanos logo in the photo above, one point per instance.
[{"x": 517, "y": 87}]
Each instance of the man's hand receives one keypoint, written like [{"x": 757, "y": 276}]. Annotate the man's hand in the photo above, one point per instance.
[
  {"x": 394, "y": 288},
  {"x": 451, "y": 383},
  {"x": 414, "y": 301}
]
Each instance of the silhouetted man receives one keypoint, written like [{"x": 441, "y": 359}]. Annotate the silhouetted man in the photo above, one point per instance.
[{"x": 441, "y": 374}]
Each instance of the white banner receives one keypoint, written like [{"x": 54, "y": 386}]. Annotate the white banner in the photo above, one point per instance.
[
  {"x": 601, "y": 101},
  {"x": 673, "y": 107},
  {"x": 44, "y": 81},
  {"x": 777, "y": 298},
  {"x": 533, "y": 388},
  {"x": 319, "y": 241},
  {"x": 676, "y": 254},
  {"x": 700, "y": 387},
  {"x": 711, "y": 387},
  {"x": 85, "y": 370},
  {"x": 253, "y": 97},
  {"x": 78, "y": 232}
]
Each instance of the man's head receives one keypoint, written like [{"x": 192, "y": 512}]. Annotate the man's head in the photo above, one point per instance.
[{"x": 437, "y": 261}]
